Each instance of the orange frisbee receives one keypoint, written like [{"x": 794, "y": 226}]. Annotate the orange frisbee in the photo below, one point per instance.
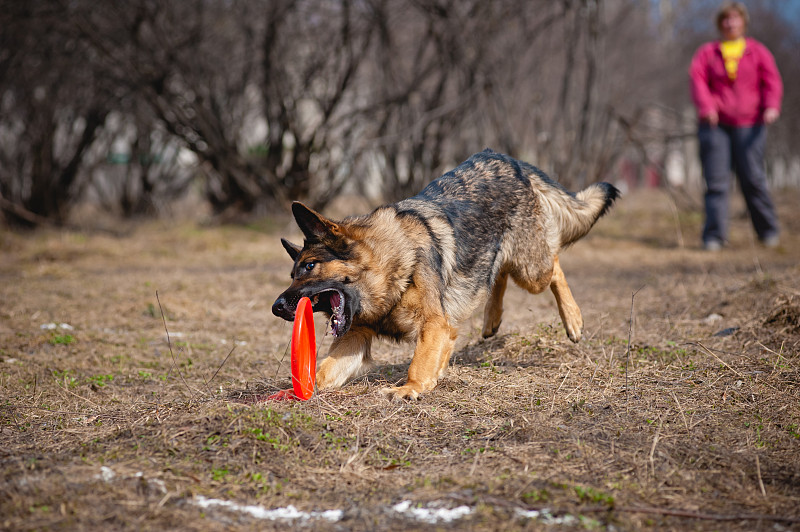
[{"x": 304, "y": 351}]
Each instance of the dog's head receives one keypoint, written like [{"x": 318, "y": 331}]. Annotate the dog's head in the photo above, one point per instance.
[{"x": 323, "y": 271}]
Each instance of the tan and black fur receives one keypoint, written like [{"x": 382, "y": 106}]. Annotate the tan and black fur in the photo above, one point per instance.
[{"x": 414, "y": 269}]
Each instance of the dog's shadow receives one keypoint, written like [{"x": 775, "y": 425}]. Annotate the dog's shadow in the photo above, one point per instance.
[
  {"x": 502, "y": 350},
  {"x": 510, "y": 349}
]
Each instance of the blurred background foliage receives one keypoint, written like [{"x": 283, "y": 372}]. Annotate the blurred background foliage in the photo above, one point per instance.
[{"x": 246, "y": 105}]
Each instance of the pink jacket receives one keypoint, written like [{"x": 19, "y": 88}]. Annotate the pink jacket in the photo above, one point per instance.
[{"x": 741, "y": 102}]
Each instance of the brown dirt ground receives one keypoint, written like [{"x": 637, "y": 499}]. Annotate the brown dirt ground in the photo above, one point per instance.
[{"x": 694, "y": 425}]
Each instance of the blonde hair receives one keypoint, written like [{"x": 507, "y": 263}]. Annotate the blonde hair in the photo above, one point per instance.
[{"x": 729, "y": 6}]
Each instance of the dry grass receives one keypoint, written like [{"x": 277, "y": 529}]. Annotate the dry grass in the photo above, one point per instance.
[{"x": 693, "y": 425}]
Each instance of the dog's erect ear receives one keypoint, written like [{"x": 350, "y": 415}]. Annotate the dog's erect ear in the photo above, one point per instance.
[
  {"x": 314, "y": 226},
  {"x": 292, "y": 249}
]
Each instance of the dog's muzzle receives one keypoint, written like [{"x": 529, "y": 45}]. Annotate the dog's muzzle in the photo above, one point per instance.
[{"x": 283, "y": 309}]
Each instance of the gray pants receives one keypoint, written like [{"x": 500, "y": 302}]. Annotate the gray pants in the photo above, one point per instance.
[{"x": 723, "y": 148}]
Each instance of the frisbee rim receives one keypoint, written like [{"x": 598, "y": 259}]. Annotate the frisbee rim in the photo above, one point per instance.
[{"x": 304, "y": 350}]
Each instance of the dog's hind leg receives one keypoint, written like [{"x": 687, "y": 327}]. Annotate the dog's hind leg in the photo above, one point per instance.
[
  {"x": 493, "y": 313},
  {"x": 434, "y": 347},
  {"x": 567, "y": 307},
  {"x": 349, "y": 357}
]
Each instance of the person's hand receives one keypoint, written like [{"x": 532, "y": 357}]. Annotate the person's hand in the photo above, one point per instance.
[
  {"x": 712, "y": 118},
  {"x": 771, "y": 115}
]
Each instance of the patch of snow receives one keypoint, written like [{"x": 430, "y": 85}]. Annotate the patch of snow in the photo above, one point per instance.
[
  {"x": 547, "y": 518},
  {"x": 236, "y": 342},
  {"x": 54, "y": 326},
  {"x": 432, "y": 515},
  {"x": 259, "y": 512},
  {"x": 106, "y": 474}
]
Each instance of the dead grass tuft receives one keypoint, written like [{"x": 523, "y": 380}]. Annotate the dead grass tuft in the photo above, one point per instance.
[{"x": 785, "y": 318}]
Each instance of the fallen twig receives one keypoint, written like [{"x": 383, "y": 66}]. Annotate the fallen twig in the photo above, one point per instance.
[
  {"x": 169, "y": 345},
  {"x": 630, "y": 335},
  {"x": 696, "y": 515},
  {"x": 710, "y": 352}
]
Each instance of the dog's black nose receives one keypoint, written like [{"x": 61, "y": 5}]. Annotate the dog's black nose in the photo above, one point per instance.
[{"x": 279, "y": 307}]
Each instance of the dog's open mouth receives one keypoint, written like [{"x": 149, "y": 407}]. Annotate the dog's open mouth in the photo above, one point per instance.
[
  {"x": 332, "y": 302},
  {"x": 338, "y": 303}
]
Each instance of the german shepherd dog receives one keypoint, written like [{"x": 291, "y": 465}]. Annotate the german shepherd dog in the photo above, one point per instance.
[{"x": 414, "y": 269}]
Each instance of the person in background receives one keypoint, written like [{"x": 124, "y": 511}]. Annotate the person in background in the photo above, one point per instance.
[{"x": 737, "y": 90}]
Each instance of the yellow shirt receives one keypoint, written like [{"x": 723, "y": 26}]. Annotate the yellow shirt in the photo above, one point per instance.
[{"x": 732, "y": 51}]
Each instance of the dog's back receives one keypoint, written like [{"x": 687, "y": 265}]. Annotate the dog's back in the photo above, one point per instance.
[{"x": 493, "y": 215}]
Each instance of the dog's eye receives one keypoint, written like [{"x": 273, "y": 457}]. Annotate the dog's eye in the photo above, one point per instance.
[{"x": 310, "y": 266}]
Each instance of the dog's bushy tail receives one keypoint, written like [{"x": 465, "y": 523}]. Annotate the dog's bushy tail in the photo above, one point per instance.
[{"x": 584, "y": 209}]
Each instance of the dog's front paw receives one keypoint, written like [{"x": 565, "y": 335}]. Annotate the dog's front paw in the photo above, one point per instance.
[
  {"x": 574, "y": 330},
  {"x": 398, "y": 393},
  {"x": 327, "y": 376},
  {"x": 334, "y": 372},
  {"x": 490, "y": 329}
]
